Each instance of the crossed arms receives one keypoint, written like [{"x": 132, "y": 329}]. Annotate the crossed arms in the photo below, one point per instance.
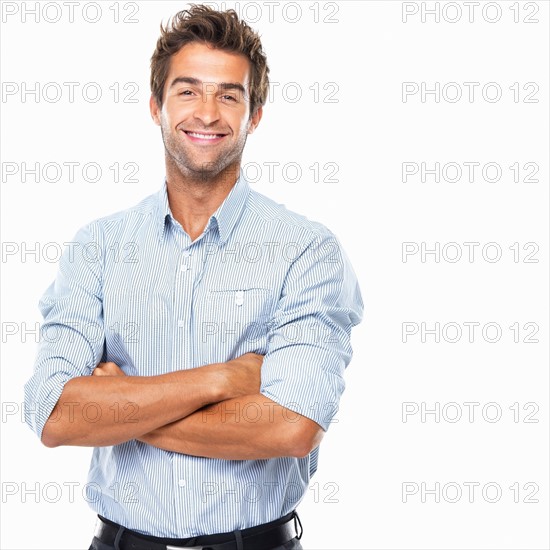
[
  {"x": 199, "y": 411},
  {"x": 232, "y": 410}
]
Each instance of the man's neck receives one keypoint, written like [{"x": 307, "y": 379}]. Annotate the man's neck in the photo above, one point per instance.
[{"x": 192, "y": 201}]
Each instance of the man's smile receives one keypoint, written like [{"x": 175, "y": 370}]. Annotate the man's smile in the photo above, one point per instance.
[{"x": 204, "y": 137}]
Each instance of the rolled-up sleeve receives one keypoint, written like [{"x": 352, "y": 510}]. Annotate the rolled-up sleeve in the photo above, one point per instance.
[
  {"x": 72, "y": 334},
  {"x": 309, "y": 334}
]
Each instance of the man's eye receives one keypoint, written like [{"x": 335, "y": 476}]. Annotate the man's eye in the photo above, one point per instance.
[
  {"x": 186, "y": 92},
  {"x": 229, "y": 98}
]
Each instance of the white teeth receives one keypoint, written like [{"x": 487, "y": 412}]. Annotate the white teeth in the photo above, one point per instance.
[{"x": 203, "y": 136}]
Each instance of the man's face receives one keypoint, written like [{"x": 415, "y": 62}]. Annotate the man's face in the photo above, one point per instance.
[{"x": 205, "y": 117}]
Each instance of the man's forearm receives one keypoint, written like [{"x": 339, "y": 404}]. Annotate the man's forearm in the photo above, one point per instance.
[
  {"x": 100, "y": 411},
  {"x": 250, "y": 427}
]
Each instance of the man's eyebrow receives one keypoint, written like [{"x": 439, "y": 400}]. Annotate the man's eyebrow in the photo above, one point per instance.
[
  {"x": 197, "y": 82},
  {"x": 186, "y": 80},
  {"x": 232, "y": 86}
]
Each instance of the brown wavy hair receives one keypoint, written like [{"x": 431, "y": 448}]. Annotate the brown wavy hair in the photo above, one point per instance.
[{"x": 220, "y": 29}]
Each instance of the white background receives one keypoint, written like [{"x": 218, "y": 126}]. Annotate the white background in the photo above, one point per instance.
[{"x": 357, "y": 498}]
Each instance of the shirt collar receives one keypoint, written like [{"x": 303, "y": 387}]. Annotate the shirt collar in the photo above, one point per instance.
[
  {"x": 163, "y": 213},
  {"x": 225, "y": 217}
]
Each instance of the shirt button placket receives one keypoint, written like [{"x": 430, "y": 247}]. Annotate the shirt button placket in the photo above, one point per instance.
[{"x": 182, "y": 355}]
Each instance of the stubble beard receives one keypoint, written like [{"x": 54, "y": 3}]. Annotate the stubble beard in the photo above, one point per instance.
[{"x": 193, "y": 170}]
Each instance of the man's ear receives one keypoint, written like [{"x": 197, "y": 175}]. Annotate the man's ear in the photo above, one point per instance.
[
  {"x": 255, "y": 120},
  {"x": 155, "y": 110}
]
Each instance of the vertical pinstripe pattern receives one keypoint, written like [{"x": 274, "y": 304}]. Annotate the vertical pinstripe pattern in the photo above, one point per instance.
[{"x": 134, "y": 290}]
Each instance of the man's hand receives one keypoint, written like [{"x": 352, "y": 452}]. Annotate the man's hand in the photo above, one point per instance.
[
  {"x": 243, "y": 373},
  {"x": 108, "y": 369}
]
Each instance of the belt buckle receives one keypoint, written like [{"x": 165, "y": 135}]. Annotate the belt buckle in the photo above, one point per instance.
[{"x": 184, "y": 547}]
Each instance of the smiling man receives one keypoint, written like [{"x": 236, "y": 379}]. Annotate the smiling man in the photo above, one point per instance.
[{"x": 212, "y": 376}]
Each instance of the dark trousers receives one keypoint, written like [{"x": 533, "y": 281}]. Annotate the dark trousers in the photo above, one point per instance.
[{"x": 293, "y": 544}]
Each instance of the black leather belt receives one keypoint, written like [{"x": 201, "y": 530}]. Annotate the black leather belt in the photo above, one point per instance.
[{"x": 261, "y": 537}]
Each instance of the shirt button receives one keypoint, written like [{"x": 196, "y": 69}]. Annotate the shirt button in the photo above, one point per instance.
[
  {"x": 181, "y": 482},
  {"x": 181, "y": 323},
  {"x": 186, "y": 253},
  {"x": 184, "y": 267}
]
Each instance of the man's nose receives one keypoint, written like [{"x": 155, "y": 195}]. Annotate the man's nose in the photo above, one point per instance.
[{"x": 207, "y": 109}]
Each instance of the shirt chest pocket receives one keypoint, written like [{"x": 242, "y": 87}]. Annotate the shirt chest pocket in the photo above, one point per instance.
[{"x": 235, "y": 320}]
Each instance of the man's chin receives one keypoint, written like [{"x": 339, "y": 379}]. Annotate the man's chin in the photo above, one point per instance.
[
  {"x": 201, "y": 175},
  {"x": 207, "y": 171}
]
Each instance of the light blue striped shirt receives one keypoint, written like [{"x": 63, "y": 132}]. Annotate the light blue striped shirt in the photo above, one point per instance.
[{"x": 133, "y": 289}]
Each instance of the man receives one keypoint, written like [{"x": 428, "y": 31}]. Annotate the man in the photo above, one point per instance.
[{"x": 198, "y": 340}]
